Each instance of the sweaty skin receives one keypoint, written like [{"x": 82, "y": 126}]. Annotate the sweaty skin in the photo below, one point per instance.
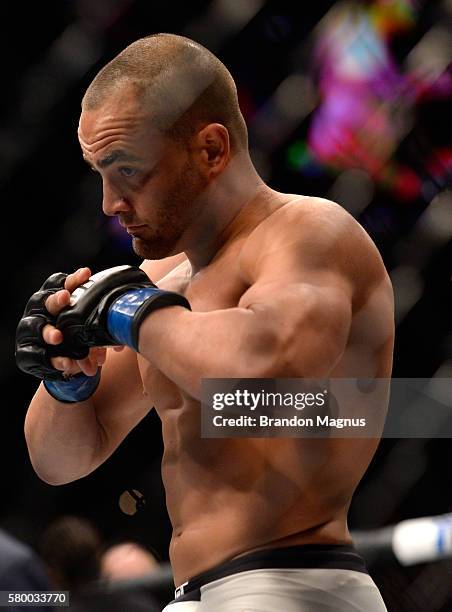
[{"x": 280, "y": 286}]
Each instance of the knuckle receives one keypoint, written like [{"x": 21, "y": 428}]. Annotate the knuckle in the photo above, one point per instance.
[
  {"x": 55, "y": 281},
  {"x": 30, "y": 328}
]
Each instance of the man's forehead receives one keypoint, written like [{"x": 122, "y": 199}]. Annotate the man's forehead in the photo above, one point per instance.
[
  {"x": 100, "y": 128},
  {"x": 94, "y": 122}
]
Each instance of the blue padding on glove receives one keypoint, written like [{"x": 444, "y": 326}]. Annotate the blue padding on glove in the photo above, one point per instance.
[
  {"x": 122, "y": 311},
  {"x": 76, "y": 389}
]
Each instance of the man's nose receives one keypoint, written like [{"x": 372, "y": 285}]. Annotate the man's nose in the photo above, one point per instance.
[{"x": 113, "y": 202}]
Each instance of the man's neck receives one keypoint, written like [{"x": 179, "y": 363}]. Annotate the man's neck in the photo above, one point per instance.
[{"x": 231, "y": 205}]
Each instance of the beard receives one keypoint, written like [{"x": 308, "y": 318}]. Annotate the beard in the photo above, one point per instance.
[
  {"x": 153, "y": 245},
  {"x": 176, "y": 212}
]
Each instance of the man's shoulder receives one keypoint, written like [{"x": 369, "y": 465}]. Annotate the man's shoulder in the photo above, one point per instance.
[
  {"x": 302, "y": 214},
  {"x": 310, "y": 222},
  {"x": 317, "y": 229}
]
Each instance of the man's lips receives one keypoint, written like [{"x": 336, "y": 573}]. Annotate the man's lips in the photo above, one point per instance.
[
  {"x": 134, "y": 230},
  {"x": 131, "y": 229}
]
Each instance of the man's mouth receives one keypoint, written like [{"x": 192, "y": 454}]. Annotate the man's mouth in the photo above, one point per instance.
[{"x": 132, "y": 229}]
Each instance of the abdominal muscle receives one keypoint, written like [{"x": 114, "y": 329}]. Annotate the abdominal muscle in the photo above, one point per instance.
[{"x": 227, "y": 497}]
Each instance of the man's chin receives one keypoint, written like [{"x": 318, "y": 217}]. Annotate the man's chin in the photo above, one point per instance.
[{"x": 151, "y": 249}]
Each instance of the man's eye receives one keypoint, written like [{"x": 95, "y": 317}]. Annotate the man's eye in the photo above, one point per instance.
[{"x": 128, "y": 172}]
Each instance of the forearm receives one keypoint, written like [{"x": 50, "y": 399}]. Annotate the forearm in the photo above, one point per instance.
[
  {"x": 188, "y": 346},
  {"x": 63, "y": 439},
  {"x": 290, "y": 338}
]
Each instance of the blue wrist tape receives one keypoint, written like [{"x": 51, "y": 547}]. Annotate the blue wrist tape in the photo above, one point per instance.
[
  {"x": 72, "y": 390},
  {"x": 127, "y": 311}
]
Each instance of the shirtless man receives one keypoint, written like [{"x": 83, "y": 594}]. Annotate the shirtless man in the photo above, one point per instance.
[{"x": 279, "y": 285}]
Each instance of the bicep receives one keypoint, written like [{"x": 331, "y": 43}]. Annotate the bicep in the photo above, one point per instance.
[{"x": 310, "y": 321}]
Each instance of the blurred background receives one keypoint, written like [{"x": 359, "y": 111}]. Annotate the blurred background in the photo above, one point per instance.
[{"x": 346, "y": 100}]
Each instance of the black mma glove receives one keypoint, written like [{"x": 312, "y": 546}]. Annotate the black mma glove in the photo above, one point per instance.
[
  {"x": 33, "y": 354},
  {"x": 109, "y": 308}
]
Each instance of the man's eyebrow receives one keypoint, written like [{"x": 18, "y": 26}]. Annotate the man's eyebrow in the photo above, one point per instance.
[{"x": 116, "y": 156}]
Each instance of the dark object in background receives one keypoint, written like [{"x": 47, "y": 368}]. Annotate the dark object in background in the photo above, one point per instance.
[
  {"x": 127, "y": 601},
  {"x": 20, "y": 569},
  {"x": 71, "y": 548}
]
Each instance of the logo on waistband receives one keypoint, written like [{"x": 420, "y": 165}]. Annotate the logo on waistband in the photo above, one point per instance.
[{"x": 180, "y": 590}]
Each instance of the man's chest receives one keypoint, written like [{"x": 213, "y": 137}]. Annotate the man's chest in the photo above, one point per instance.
[{"x": 218, "y": 286}]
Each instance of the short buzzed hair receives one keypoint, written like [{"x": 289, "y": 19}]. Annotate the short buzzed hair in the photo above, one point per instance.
[{"x": 182, "y": 83}]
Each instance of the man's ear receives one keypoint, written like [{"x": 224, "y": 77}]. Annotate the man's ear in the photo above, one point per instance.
[{"x": 212, "y": 147}]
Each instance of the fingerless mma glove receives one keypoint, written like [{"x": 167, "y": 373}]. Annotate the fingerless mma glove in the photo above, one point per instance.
[
  {"x": 109, "y": 308},
  {"x": 33, "y": 354}
]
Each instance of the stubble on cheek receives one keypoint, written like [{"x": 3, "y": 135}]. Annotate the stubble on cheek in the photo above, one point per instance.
[
  {"x": 177, "y": 210},
  {"x": 162, "y": 233}
]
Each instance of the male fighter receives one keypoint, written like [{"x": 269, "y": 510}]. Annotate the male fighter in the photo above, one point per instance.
[{"x": 238, "y": 280}]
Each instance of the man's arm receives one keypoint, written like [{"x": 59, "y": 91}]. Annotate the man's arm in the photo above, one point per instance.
[
  {"x": 293, "y": 321},
  {"x": 69, "y": 441}
]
